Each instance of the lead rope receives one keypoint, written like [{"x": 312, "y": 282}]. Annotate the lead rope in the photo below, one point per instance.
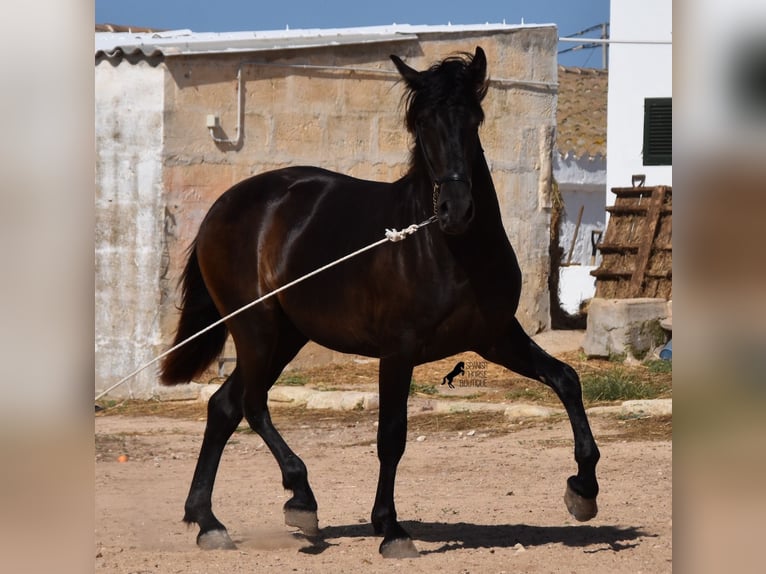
[{"x": 392, "y": 235}]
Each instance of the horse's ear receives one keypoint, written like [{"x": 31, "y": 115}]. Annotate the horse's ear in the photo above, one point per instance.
[
  {"x": 479, "y": 65},
  {"x": 479, "y": 71},
  {"x": 410, "y": 75}
]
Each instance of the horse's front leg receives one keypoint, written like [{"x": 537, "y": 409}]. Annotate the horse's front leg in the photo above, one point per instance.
[
  {"x": 519, "y": 353},
  {"x": 394, "y": 385}
]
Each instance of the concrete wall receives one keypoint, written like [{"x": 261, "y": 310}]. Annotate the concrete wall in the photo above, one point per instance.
[
  {"x": 349, "y": 122},
  {"x": 128, "y": 233},
  {"x": 636, "y": 71}
]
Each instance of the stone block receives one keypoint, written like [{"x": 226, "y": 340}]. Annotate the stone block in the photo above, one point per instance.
[
  {"x": 656, "y": 407},
  {"x": 291, "y": 396},
  {"x": 516, "y": 412},
  {"x": 342, "y": 400},
  {"x": 207, "y": 391},
  {"x": 184, "y": 392},
  {"x": 629, "y": 327}
]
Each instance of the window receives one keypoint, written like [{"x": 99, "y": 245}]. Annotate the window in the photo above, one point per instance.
[{"x": 658, "y": 131}]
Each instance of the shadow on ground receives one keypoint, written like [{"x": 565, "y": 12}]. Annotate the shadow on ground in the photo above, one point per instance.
[{"x": 462, "y": 535}]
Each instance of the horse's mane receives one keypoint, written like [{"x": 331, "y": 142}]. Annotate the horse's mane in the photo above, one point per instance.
[{"x": 450, "y": 81}]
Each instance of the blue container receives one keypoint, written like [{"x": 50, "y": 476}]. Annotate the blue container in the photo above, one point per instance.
[{"x": 667, "y": 351}]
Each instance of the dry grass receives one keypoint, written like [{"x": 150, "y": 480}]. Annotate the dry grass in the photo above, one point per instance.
[
  {"x": 494, "y": 423},
  {"x": 498, "y": 384}
]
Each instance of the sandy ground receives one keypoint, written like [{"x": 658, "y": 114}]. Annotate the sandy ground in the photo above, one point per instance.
[{"x": 482, "y": 501}]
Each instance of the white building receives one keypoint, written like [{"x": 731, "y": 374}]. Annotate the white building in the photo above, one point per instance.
[
  {"x": 579, "y": 168},
  {"x": 640, "y": 84},
  {"x": 638, "y": 135}
]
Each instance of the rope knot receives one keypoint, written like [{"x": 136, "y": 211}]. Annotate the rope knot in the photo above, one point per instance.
[{"x": 396, "y": 235}]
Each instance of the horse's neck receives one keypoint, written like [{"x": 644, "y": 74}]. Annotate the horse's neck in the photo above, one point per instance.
[
  {"x": 486, "y": 242},
  {"x": 488, "y": 217},
  {"x": 487, "y": 229},
  {"x": 485, "y": 254}
]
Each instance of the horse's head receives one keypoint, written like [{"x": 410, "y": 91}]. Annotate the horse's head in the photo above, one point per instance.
[{"x": 444, "y": 113}]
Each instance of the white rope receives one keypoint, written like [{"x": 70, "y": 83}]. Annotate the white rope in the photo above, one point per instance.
[
  {"x": 391, "y": 235},
  {"x": 394, "y": 235}
]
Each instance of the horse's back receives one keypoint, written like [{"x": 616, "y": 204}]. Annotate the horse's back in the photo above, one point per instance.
[{"x": 273, "y": 227}]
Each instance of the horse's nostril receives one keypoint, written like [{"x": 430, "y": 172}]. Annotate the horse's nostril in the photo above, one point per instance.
[
  {"x": 443, "y": 208},
  {"x": 469, "y": 212}
]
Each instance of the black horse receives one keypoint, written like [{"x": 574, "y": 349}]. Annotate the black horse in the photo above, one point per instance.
[
  {"x": 458, "y": 370},
  {"x": 450, "y": 288}
]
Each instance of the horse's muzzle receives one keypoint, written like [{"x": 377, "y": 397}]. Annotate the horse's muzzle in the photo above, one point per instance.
[{"x": 454, "y": 208}]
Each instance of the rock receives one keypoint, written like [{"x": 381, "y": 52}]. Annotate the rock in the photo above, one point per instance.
[
  {"x": 527, "y": 411},
  {"x": 447, "y": 406},
  {"x": 294, "y": 396},
  {"x": 628, "y": 327},
  {"x": 206, "y": 392},
  {"x": 605, "y": 410},
  {"x": 342, "y": 400},
  {"x": 370, "y": 401},
  {"x": 470, "y": 433},
  {"x": 657, "y": 407},
  {"x": 184, "y": 392},
  {"x": 421, "y": 438}
]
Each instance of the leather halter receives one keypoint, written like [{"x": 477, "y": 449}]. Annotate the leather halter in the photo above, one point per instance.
[{"x": 437, "y": 182}]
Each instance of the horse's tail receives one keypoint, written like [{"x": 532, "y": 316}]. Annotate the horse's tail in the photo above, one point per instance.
[{"x": 197, "y": 312}]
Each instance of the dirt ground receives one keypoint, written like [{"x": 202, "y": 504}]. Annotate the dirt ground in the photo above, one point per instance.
[{"x": 477, "y": 492}]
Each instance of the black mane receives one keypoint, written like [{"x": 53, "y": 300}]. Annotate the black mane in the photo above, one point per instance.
[{"x": 447, "y": 83}]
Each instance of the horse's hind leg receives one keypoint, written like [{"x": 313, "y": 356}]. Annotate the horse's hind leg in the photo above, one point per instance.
[
  {"x": 262, "y": 366},
  {"x": 224, "y": 414},
  {"x": 518, "y": 352}
]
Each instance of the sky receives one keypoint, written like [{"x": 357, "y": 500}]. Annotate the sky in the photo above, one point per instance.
[{"x": 570, "y": 16}]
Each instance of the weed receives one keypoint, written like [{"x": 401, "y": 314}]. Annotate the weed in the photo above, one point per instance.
[
  {"x": 616, "y": 385},
  {"x": 657, "y": 366},
  {"x": 530, "y": 394},
  {"x": 421, "y": 388},
  {"x": 292, "y": 380}
]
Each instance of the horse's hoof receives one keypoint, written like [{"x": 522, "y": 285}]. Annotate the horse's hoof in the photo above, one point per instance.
[
  {"x": 399, "y": 548},
  {"x": 306, "y": 520},
  {"x": 583, "y": 509},
  {"x": 215, "y": 540}
]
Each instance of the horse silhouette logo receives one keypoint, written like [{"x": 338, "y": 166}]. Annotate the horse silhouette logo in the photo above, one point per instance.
[{"x": 458, "y": 370}]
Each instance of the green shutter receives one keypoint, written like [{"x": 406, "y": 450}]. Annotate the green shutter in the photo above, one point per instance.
[{"x": 658, "y": 131}]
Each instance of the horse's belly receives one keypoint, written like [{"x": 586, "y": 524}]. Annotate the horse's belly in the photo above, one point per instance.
[{"x": 361, "y": 326}]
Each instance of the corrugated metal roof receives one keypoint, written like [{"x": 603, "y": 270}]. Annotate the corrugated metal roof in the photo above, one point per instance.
[{"x": 186, "y": 42}]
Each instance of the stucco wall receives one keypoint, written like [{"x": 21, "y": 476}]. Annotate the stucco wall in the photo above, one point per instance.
[
  {"x": 128, "y": 233},
  {"x": 349, "y": 122}
]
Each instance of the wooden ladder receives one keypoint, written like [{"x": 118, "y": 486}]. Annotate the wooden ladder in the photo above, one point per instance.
[{"x": 636, "y": 251}]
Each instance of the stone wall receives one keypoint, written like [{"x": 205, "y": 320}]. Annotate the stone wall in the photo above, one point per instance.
[{"x": 350, "y": 122}]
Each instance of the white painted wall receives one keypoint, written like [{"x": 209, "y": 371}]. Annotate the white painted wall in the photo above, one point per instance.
[
  {"x": 129, "y": 118},
  {"x": 636, "y": 71},
  {"x": 582, "y": 183}
]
